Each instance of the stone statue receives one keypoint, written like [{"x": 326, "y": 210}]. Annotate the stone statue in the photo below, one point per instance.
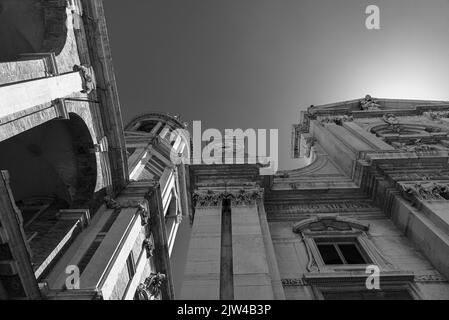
[
  {"x": 369, "y": 104},
  {"x": 151, "y": 288}
]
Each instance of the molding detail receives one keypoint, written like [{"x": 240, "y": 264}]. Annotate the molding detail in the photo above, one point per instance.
[
  {"x": 293, "y": 282},
  {"x": 329, "y": 223},
  {"x": 430, "y": 278}
]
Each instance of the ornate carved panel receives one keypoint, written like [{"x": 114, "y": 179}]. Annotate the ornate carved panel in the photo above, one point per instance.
[
  {"x": 425, "y": 191},
  {"x": 238, "y": 198}
]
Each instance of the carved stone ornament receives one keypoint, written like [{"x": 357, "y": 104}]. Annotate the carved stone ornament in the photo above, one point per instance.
[
  {"x": 207, "y": 199},
  {"x": 338, "y": 120},
  {"x": 425, "y": 191},
  {"x": 437, "y": 115},
  {"x": 418, "y": 146},
  {"x": 369, "y": 104},
  {"x": 151, "y": 288},
  {"x": 244, "y": 198},
  {"x": 214, "y": 199},
  {"x": 87, "y": 73},
  {"x": 148, "y": 244},
  {"x": 118, "y": 206},
  {"x": 111, "y": 203},
  {"x": 293, "y": 282}
]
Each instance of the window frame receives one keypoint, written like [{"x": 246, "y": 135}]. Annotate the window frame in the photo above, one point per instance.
[
  {"x": 358, "y": 238},
  {"x": 336, "y": 244}
]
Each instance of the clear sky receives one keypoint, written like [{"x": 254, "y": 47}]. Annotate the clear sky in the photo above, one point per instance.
[{"x": 257, "y": 63}]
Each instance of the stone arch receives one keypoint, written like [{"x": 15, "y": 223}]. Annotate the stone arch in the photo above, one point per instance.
[
  {"x": 53, "y": 160},
  {"x": 32, "y": 26}
]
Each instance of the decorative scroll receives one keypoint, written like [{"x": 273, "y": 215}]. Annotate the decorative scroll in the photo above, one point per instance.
[
  {"x": 425, "y": 191},
  {"x": 151, "y": 288},
  {"x": 392, "y": 122},
  {"x": 369, "y": 104}
]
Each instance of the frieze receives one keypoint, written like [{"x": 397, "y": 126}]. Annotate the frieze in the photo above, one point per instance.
[
  {"x": 430, "y": 278},
  {"x": 417, "y": 176},
  {"x": 319, "y": 207}
]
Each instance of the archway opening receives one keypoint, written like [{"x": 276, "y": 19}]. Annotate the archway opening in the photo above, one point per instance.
[{"x": 52, "y": 167}]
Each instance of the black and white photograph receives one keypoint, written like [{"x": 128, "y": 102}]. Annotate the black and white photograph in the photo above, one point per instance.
[{"x": 244, "y": 151}]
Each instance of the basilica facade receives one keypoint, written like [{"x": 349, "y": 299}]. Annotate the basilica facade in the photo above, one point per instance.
[{"x": 371, "y": 205}]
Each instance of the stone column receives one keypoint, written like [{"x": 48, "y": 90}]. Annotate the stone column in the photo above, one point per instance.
[
  {"x": 252, "y": 278},
  {"x": 202, "y": 274}
]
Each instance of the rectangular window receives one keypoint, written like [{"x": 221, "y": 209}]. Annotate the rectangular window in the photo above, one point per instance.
[
  {"x": 341, "y": 252},
  {"x": 130, "y": 263}
]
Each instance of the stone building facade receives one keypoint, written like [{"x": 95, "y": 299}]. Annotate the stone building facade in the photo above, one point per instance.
[
  {"x": 88, "y": 209},
  {"x": 374, "y": 193}
]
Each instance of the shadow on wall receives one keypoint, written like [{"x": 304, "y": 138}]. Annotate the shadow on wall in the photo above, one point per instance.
[
  {"x": 31, "y": 26},
  {"x": 55, "y": 159}
]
